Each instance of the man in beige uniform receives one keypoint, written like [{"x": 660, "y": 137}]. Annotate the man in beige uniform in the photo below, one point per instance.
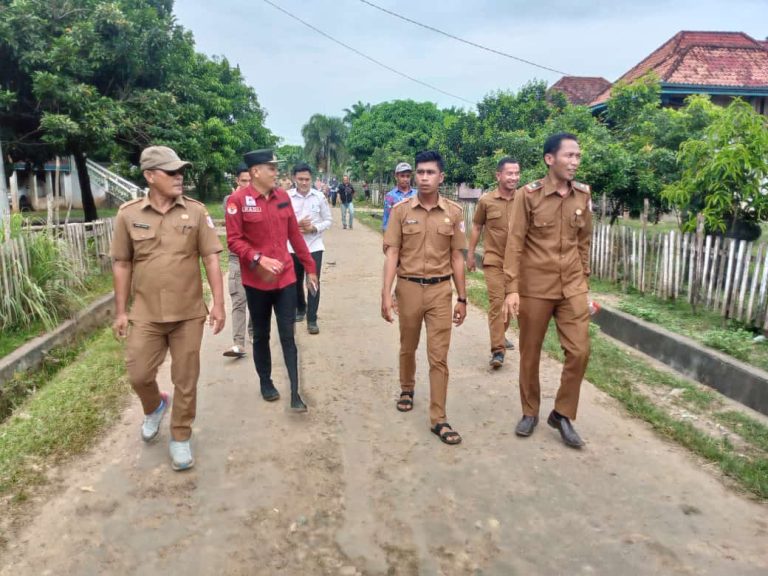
[
  {"x": 547, "y": 267},
  {"x": 156, "y": 249},
  {"x": 426, "y": 235},
  {"x": 494, "y": 211}
]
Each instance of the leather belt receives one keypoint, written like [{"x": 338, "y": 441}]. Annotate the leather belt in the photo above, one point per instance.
[{"x": 433, "y": 280}]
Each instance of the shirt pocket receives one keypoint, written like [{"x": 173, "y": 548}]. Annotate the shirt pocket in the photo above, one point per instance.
[
  {"x": 144, "y": 242},
  {"x": 493, "y": 218},
  {"x": 445, "y": 229},
  {"x": 577, "y": 220},
  {"x": 253, "y": 217}
]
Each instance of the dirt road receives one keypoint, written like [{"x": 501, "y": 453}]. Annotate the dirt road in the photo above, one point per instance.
[{"x": 355, "y": 487}]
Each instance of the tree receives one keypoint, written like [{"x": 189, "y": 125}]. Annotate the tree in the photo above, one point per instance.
[
  {"x": 725, "y": 173},
  {"x": 355, "y": 112},
  {"x": 324, "y": 138}
]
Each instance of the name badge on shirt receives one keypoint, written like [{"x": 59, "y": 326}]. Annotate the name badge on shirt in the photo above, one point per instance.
[
  {"x": 251, "y": 209},
  {"x": 140, "y": 225},
  {"x": 250, "y": 201},
  {"x": 411, "y": 221}
]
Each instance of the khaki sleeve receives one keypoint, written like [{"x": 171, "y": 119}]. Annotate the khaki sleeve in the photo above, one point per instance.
[
  {"x": 459, "y": 239},
  {"x": 585, "y": 239},
  {"x": 207, "y": 240},
  {"x": 122, "y": 245},
  {"x": 479, "y": 217},
  {"x": 394, "y": 233},
  {"x": 518, "y": 230}
]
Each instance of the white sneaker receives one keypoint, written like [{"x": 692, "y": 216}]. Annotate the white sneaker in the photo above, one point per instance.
[
  {"x": 151, "y": 425},
  {"x": 181, "y": 455}
]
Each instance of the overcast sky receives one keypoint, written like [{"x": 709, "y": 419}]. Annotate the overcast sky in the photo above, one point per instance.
[{"x": 296, "y": 72}]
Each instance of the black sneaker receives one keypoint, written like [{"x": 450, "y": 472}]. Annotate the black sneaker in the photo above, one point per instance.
[
  {"x": 300, "y": 316},
  {"x": 313, "y": 328},
  {"x": 497, "y": 360}
]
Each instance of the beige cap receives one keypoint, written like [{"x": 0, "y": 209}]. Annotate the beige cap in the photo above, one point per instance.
[{"x": 161, "y": 158}]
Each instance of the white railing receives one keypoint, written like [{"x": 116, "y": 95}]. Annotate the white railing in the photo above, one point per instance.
[{"x": 112, "y": 184}]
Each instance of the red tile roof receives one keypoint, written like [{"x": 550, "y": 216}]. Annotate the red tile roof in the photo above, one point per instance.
[
  {"x": 714, "y": 59},
  {"x": 580, "y": 89}
]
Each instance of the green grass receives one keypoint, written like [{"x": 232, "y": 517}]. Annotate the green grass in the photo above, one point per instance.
[
  {"x": 76, "y": 215},
  {"x": 752, "y": 431},
  {"x": 64, "y": 416},
  {"x": 705, "y": 327},
  {"x": 11, "y": 339}
]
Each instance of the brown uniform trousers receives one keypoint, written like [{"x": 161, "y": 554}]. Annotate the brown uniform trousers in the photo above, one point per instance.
[
  {"x": 148, "y": 343},
  {"x": 494, "y": 213},
  {"x": 168, "y": 311},
  {"x": 547, "y": 264},
  {"x": 494, "y": 282},
  {"x": 426, "y": 240}
]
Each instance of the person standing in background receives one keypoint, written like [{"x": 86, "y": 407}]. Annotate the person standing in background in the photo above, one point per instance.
[{"x": 346, "y": 194}]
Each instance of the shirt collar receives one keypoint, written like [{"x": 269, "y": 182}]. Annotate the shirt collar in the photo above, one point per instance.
[
  {"x": 549, "y": 186},
  {"x": 442, "y": 202},
  {"x": 145, "y": 203}
]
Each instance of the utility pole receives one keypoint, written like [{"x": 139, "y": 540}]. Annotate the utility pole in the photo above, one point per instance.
[{"x": 5, "y": 209}]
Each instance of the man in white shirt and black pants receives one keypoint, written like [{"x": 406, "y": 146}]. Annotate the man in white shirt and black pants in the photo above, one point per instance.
[{"x": 314, "y": 217}]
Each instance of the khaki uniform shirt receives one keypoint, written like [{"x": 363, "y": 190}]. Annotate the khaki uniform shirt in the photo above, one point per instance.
[
  {"x": 165, "y": 251},
  {"x": 494, "y": 212},
  {"x": 547, "y": 253},
  {"x": 426, "y": 237}
]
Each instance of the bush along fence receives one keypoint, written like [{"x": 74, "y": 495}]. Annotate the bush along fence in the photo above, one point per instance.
[
  {"x": 43, "y": 271},
  {"x": 725, "y": 275}
]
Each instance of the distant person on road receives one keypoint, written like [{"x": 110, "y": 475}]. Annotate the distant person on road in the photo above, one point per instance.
[
  {"x": 314, "y": 217},
  {"x": 425, "y": 238},
  {"x": 235, "y": 285},
  {"x": 400, "y": 192},
  {"x": 156, "y": 249},
  {"x": 333, "y": 189},
  {"x": 493, "y": 213},
  {"x": 260, "y": 222},
  {"x": 366, "y": 190},
  {"x": 346, "y": 194},
  {"x": 547, "y": 267}
]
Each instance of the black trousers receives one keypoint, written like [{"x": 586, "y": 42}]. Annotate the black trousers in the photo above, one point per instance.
[
  {"x": 307, "y": 303},
  {"x": 260, "y": 305}
]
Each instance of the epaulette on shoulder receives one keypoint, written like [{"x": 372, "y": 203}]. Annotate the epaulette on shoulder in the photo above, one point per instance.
[
  {"x": 129, "y": 203},
  {"x": 403, "y": 201},
  {"x": 533, "y": 186},
  {"x": 194, "y": 201},
  {"x": 581, "y": 187},
  {"x": 456, "y": 205}
]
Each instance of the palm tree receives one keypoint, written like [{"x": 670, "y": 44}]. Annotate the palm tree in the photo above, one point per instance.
[
  {"x": 324, "y": 140},
  {"x": 355, "y": 112}
]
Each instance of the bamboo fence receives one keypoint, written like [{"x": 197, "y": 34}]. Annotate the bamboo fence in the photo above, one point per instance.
[
  {"x": 725, "y": 275},
  {"x": 87, "y": 245}
]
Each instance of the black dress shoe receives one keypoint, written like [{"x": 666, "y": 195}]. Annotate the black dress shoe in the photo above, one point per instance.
[
  {"x": 297, "y": 404},
  {"x": 270, "y": 394},
  {"x": 567, "y": 432},
  {"x": 526, "y": 425}
]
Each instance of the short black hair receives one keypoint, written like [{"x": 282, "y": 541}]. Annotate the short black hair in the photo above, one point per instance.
[
  {"x": 506, "y": 160},
  {"x": 552, "y": 144},
  {"x": 239, "y": 170},
  {"x": 301, "y": 167},
  {"x": 429, "y": 156}
]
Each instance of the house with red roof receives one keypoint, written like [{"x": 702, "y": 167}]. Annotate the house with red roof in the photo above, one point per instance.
[
  {"x": 580, "y": 89},
  {"x": 724, "y": 65}
]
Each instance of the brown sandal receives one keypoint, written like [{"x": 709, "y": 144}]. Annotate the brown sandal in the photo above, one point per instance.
[
  {"x": 405, "y": 402},
  {"x": 451, "y": 437}
]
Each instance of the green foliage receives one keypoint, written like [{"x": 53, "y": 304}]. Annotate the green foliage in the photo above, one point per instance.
[
  {"x": 725, "y": 174},
  {"x": 736, "y": 343},
  {"x": 109, "y": 78},
  {"x": 50, "y": 290},
  {"x": 648, "y": 314},
  {"x": 325, "y": 141}
]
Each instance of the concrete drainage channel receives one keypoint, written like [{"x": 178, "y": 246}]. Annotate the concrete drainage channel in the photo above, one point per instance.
[
  {"x": 735, "y": 379},
  {"x": 31, "y": 355}
]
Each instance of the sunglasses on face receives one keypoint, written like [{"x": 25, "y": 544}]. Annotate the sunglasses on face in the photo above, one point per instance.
[{"x": 179, "y": 172}]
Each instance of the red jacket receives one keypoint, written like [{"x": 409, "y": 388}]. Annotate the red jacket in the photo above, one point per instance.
[{"x": 259, "y": 225}]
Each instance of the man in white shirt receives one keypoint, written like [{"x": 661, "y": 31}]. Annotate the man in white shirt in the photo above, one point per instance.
[{"x": 314, "y": 217}]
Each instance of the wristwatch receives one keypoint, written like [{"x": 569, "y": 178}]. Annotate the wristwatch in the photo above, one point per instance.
[
  {"x": 256, "y": 259},
  {"x": 462, "y": 300}
]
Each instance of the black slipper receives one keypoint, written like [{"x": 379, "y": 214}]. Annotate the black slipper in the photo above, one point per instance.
[
  {"x": 405, "y": 402},
  {"x": 452, "y": 437}
]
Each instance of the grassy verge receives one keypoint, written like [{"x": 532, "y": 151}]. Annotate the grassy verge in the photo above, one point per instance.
[
  {"x": 638, "y": 386},
  {"x": 705, "y": 327},
  {"x": 11, "y": 339},
  {"x": 64, "y": 416}
]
